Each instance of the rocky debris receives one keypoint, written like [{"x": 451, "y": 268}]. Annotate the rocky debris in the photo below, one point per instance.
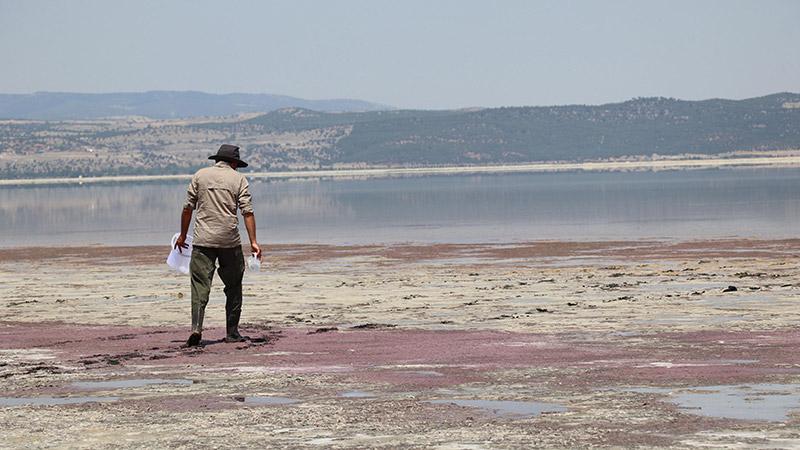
[
  {"x": 36, "y": 369},
  {"x": 296, "y": 318},
  {"x": 352, "y": 284},
  {"x": 730, "y": 289},
  {"x": 267, "y": 338},
  {"x": 746, "y": 274},
  {"x": 24, "y": 302},
  {"x": 372, "y": 326},
  {"x": 505, "y": 316},
  {"x": 121, "y": 337},
  {"x": 256, "y": 326},
  {"x": 323, "y": 330}
]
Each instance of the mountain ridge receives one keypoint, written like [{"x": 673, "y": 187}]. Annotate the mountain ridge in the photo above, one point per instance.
[
  {"x": 296, "y": 138},
  {"x": 640, "y": 126},
  {"x": 159, "y": 104}
]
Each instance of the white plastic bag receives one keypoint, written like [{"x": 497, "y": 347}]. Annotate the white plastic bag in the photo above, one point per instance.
[
  {"x": 179, "y": 260},
  {"x": 253, "y": 264}
]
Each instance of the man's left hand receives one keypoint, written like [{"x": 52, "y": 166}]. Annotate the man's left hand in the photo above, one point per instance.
[{"x": 256, "y": 250}]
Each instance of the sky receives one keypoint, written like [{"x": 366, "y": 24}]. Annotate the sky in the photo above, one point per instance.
[{"x": 431, "y": 54}]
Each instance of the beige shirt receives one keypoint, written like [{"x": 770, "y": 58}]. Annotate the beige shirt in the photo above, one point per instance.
[{"x": 215, "y": 194}]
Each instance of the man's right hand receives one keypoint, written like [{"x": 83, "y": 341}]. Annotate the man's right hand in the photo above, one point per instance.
[
  {"x": 180, "y": 243},
  {"x": 254, "y": 247}
]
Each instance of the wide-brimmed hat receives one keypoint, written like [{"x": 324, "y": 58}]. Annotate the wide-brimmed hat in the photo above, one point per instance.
[{"x": 229, "y": 153}]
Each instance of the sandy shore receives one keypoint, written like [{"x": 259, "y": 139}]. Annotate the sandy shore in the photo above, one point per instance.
[
  {"x": 780, "y": 161},
  {"x": 555, "y": 344}
]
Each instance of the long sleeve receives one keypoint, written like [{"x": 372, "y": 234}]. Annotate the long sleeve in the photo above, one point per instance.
[
  {"x": 191, "y": 195},
  {"x": 245, "y": 202}
]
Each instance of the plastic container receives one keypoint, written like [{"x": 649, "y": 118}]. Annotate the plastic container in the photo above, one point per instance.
[
  {"x": 253, "y": 264},
  {"x": 179, "y": 260}
]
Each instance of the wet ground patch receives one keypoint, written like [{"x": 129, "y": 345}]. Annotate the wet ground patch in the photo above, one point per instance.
[
  {"x": 356, "y": 394},
  {"x": 262, "y": 400},
  {"x": 755, "y": 402},
  {"x": 128, "y": 383},
  {"x": 505, "y": 408},
  {"x": 53, "y": 401}
]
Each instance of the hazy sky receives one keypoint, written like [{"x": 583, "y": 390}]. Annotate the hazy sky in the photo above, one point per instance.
[{"x": 420, "y": 54}]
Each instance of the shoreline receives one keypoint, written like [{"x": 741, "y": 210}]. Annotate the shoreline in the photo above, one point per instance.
[
  {"x": 599, "y": 166},
  {"x": 464, "y": 253}
]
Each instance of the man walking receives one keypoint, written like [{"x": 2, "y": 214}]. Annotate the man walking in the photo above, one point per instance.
[{"x": 216, "y": 193}]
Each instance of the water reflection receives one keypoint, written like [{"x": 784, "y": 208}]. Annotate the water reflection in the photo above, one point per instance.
[{"x": 460, "y": 208}]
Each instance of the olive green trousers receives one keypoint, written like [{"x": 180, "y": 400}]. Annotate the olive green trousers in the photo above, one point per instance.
[{"x": 231, "y": 271}]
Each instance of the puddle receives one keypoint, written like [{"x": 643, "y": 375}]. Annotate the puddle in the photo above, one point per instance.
[
  {"x": 735, "y": 361},
  {"x": 506, "y": 408},
  {"x": 290, "y": 353},
  {"x": 767, "y": 402},
  {"x": 121, "y": 384},
  {"x": 356, "y": 394},
  {"x": 427, "y": 373},
  {"x": 268, "y": 400},
  {"x": 52, "y": 401},
  {"x": 521, "y": 344},
  {"x": 715, "y": 362},
  {"x": 282, "y": 369}
]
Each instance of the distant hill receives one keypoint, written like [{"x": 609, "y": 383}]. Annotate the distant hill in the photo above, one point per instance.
[
  {"x": 642, "y": 126},
  {"x": 159, "y": 105},
  {"x": 299, "y": 138}
]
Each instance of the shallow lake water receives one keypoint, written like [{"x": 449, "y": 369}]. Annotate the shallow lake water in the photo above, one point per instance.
[{"x": 762, "y": 203}]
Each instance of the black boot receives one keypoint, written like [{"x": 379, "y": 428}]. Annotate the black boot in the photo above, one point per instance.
[
  {"x": 194, "y": 340},
  {"x": 235, "y": 337},
  {"x": 232, "y": 325}
]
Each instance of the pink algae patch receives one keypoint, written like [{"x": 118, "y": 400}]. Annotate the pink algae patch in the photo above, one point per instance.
[{"x": 425, "y": 358}]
